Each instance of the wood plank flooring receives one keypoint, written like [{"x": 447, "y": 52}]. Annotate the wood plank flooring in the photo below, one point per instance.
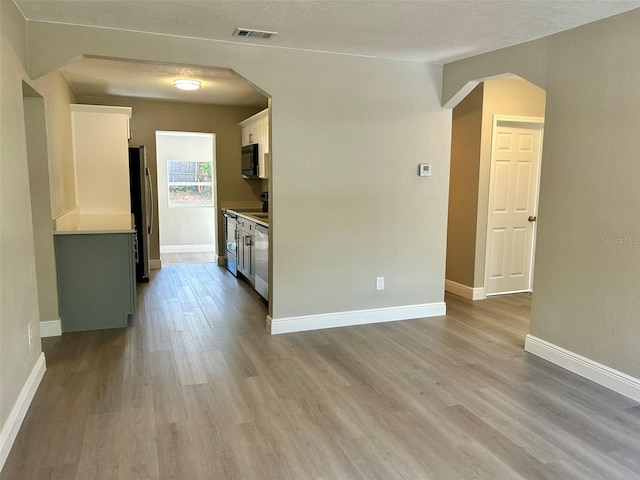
[
  {"x": 187, "y": 257},
  {"x": 195, "y": 389}
]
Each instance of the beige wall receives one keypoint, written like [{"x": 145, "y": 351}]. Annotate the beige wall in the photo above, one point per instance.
[
  {"x": 586, "y": 284},
  {"x": 58, "y": 95},
  {"x": 347, "y": 135},
  {"x": 52, "y": 182},
  {"x": 37, "y": 158},
  {"x": 149, "y": 116},
  {"x": 466, "y": 138},
  {"x": 531, "y": 64},
  {"x": 18, "y": 285}
]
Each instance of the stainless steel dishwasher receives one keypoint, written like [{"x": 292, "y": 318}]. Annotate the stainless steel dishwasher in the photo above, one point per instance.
[{"x": 262, "y": 260}]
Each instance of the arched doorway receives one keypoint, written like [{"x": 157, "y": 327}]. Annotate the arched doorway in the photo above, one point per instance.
[{"x": 468, "y": 236}]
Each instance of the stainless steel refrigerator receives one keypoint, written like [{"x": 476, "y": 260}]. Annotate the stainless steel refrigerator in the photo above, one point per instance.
[{"x": 142, "y": 207}]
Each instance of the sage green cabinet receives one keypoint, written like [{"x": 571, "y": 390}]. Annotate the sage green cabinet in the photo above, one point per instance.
[{"x": 96, "y": 280}]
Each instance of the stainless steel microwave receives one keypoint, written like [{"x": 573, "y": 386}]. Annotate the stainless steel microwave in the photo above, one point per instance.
[{"x": 250, "y": 163}]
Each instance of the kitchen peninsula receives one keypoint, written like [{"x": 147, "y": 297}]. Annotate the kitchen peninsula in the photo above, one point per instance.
[{"x": 95, "y": 256}]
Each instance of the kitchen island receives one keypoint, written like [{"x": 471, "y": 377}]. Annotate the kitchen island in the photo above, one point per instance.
[{"x": 95, "y": 258}]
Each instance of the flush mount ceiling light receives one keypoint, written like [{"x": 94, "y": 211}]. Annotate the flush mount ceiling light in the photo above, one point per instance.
[{"x": 187, "y": 84}]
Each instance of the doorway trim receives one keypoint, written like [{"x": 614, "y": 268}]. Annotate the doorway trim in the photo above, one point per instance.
[
  {"x": 536, "y": 122},
  {"x": 184, "y": 222}
]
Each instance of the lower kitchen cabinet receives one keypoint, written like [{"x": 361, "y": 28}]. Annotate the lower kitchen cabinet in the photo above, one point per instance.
[
  {"x": 252, "y": 240},
  {"x": 246, "y": 256},
  {"x": 96, "y": 280}
]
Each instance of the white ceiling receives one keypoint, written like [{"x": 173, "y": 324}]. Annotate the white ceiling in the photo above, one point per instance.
[{"x": 438, "y": 31}]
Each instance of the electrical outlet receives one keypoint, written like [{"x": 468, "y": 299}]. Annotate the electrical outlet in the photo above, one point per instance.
[
  {"x": 30, "y": 331},
  {"x": 379, "y": 283}
]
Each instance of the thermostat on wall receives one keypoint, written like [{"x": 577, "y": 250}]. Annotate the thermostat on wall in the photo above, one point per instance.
[{"x": 424, "y": 170}]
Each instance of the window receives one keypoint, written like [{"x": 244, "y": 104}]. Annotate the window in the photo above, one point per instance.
[{"x": 190, "y": 183}]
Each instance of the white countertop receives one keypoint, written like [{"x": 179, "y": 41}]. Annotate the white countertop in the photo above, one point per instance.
[
  {"x": 250, "y": 215},
  {"x": 95, "y": 223}
]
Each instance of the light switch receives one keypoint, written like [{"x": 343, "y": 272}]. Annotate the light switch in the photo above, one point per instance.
[{"x": 424, "y": 170}]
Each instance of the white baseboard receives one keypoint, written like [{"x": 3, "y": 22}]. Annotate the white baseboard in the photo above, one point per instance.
[
  {"x": 356, "y": 317},
  {"x": 472, "y": 293},
  {"x": 596, "y": 372},
  {"x": 51, "y": 328},
  {"x": 155, "y": 264},
  {"x": 187, "y": 248},
  {"x": 509, "y": 292},
  {"x": 14, "y": 421}
]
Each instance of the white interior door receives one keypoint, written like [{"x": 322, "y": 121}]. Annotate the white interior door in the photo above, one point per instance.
[{"x": 513, "y": 202}]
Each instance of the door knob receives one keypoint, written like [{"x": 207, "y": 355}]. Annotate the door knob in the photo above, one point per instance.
[{"x": 532, "y": 218}]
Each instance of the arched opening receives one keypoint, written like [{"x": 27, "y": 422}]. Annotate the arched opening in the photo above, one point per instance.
[
  {"x": 220, "y": 104},
  {"x": 224, "y": 101},
  {"x": 494, "y": 185}
]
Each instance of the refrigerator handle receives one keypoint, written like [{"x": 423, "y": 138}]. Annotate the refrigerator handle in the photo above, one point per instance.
[{"x": 149, "y": 211}]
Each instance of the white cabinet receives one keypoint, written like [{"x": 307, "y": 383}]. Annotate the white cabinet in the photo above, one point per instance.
[
  {"x": 101, "y": 156},
  {"x": 255, "y": 129},
  {"x": 248, "y": 136},
  {"x": 253, "y": 134}
]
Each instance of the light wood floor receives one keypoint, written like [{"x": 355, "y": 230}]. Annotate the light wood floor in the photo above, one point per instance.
[
  {"x": 195, "y": 389},
  {"x": 187, "y": 257}
]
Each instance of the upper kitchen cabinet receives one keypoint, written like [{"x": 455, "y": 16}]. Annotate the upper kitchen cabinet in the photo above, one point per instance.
[
  {"x": 101, "y": 155},
  {"x": 255, "y": 129}
]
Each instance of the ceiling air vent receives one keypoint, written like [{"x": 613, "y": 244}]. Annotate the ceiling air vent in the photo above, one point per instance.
[{"x": 249, "y": 33}]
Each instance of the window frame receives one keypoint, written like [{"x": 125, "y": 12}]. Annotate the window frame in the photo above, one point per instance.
[{"x": 171, "y": 184}]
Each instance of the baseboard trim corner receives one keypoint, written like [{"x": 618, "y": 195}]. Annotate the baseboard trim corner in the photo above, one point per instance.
[
  {"x": 471, "y": 293},
  {"x": 18, "y": 412},
  {"x": 51, "y": 328},
  {"x": 585, "y": 367},
  {"x": 303, "y": 323},
  {"x": 155, "y": 264}
]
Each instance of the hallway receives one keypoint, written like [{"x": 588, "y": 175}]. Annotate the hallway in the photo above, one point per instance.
[
  {"x": 194, "y": 389},
  {"x": 188, "y": 257}
]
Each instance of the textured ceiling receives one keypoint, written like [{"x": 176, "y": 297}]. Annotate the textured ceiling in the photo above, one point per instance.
[
  {"x": 427, "y": 31},
  {"x": 438, "y": 31},
  {"x": 92, "y": 77}
]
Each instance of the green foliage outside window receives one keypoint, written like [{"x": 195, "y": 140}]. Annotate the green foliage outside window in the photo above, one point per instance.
[{"x": 190, "y": 183}]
